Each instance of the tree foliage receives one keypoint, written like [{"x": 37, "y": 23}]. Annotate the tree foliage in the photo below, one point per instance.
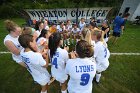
[{"x": 11, "y": 7}]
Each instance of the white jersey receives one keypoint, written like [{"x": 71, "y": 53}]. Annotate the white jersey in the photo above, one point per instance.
[
  {"x": 82, "y": 25},
  {"x": 17, "y": 45},
  {"x": 75, "y": 30},
  {"x": 101, "y": 54},
  {"x": 39, "y": 41},
  {"x": 34, "y": 63},
  {"x": 82, "y": 72},
  {"x": 60, "y": 29},
  {"x": 58, "y": 65},
  {"x": 68, "y": 27}
]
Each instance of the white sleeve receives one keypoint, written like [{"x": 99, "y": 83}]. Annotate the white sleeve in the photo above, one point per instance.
[
  {"x": 67, "y": 67},
  {"x": 58, "y": 27},
  {"x": 96, "y": 50},
  {"x": 42, "y": 62},
  {"x": 66, "y": 57}
]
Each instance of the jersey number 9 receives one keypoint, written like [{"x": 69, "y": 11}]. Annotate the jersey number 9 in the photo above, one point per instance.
[{"x": 84, "y": 79}]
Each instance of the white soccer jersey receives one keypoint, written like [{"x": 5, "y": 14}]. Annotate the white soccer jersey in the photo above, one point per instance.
[
  {"x": 82, "y": 25},
  {"x": 101, "y": 54},
  {"x": 82, "y": 72},
  {"x": 75, "y": 30},
  {"x": 17, "y": 45},
  {"x": 58, "y": 65},
  {"x": 34, "y": 63},
  {"x": 60, "y": 29}
]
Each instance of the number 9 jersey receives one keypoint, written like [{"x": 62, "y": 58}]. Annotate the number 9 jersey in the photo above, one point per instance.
[{"x": 81, "y": 72}]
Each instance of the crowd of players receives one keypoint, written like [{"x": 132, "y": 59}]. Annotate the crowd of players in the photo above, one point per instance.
[{"x": 43, "y": 46}]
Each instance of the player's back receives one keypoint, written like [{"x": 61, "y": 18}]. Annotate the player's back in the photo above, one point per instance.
[
  {"x": 34, "y": 63},
  {"x": 101, "y": 52},
  {"x": 82, "y": 72},
  {"x": 58, "y": 63},
  {"x": 118, "y": 23}
]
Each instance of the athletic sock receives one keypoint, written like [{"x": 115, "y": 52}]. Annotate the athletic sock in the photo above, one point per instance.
[
  {"x": 65, "y": 91},
  {"x": 98, "y": 76},
  {"x": 44, "y": 92}
]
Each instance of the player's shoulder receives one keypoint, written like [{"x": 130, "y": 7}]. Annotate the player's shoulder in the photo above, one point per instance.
[
  {"x": 7, "y": 37},
  {"x": 71, "y": 61},
  {"x": 63, "y": 51},
  {"x": 98, "y": 44},
  {"x": 37, "y": 54}
]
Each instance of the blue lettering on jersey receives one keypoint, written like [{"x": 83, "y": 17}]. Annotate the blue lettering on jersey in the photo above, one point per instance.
[
  {"x": 77, "y": 69},
  {"x": 56, "y": 54},
  {"x": 86, "y": 68},
  {"x": 84, "y": 79},
  {"x": 26, "y": 60},
  {"x": 54, "y": 62},
  {"x": 105, "y": 51}
]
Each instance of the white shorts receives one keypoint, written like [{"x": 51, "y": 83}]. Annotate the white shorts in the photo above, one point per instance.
[
  {"x": 43, "y": 82},
  {"x": 62, "y": 79},
  {"x": 102, "y": 67}
]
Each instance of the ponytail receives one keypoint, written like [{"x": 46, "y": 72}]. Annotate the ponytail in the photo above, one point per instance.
[{"x": 54, "y": 41}]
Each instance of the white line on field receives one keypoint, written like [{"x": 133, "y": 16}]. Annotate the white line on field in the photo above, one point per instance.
[
  {"x": 125, "y": 53},
  {"x": 3, "y": 52}
]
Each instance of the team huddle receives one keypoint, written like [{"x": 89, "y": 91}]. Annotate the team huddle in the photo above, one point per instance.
[{"x": 36, "y": 49}]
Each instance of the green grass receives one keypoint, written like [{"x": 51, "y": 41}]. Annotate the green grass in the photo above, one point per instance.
[
  {"x": 122, "y": 76},
  {"x": 128, "y": 42}
]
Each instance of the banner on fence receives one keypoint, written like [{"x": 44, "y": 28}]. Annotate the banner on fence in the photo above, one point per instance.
[{"x": 69, "y": 13}]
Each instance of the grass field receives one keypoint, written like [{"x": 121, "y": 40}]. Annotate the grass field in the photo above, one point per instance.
[{"x": 122, "y": 76}]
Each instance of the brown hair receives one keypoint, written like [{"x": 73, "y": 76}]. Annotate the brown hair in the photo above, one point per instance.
[
  {"x": 84, "y": 49},
  {"x": 10, "y": 25},
  {"x": 28, "y": 30},
  {"x": 25, "y": 40},
  {"x": 98, "y": 34}
]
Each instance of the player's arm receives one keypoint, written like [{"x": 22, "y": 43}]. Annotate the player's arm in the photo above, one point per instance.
[
  {"x": 122, "y": 27},
  {"x": 106, "y": 30},
  {"x": 47, "y": 59},
  {"x": 43, "y": 62},
  {"x": 12, "y": 48}
]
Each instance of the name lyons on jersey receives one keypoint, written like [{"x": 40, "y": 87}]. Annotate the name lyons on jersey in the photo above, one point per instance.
[{"x": 85, "y": 68}]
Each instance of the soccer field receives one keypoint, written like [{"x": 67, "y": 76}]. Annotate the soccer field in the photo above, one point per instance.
[{"x": 122, "y": 76}]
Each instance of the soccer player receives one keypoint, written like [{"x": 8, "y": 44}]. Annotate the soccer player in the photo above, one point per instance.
[
  {"x": 82, "y": 24},
  {"x": 81, "y": 69},
  {"x": 75, "y": 29},
  {"x": 42, "y": 40},
  {"x": 58, "y": 58},
  {"x": 101, "y": 54},
  {"x": 11, "y": 41},
  {"x": 118, "y": 26},
  {"x": 39, "y": 26},
  {"x": 34, "y": 61}
]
